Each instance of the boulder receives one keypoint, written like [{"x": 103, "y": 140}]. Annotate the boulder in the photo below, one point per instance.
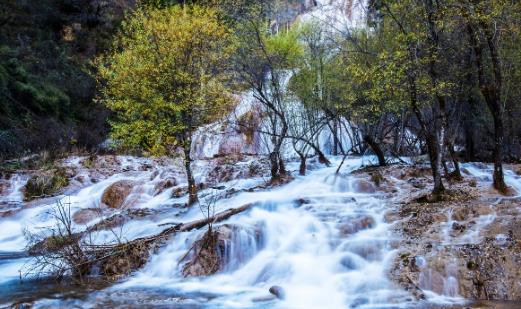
[
  {"x": 205, "y": 259},
  {"x": 352, "y": 226},
  {"x": 179, "y": 192},
  {"x": 83, "y": 216},
  {"x": 45, "y": 184},
  {"x": 415, "y": 182},
  {"x": 278, "y": 291},
  {"x": 363, "y": 186},
  {"x": 220, "y": 250},
  {"x": 461, "y": 213},
  {"x": 163, "y": 185},
  {"x": 115, "y": 194}
]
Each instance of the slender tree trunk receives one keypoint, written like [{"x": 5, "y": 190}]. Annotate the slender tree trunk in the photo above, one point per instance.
[
  {"x": 491, "y": 91},
  {"x": 335, "y": 137},
  {"x": 282, "y": 166},
  {"x": 456, "y": 174},
  {"x": 499, "y": 179},
  {"x": 302, "y": 167},
  {"x": 376, "y": 149},
  {"x": 192, "y": 187},
  {"x": 400, "y": 132},
  {"x": 445, "y": 168},
  {"x": 435, "y": 160},
  {"x": 321, "y": 157},
  {"x": 274, "y": 163}
]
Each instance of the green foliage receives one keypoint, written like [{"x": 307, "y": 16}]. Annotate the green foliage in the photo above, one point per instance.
[
  {"x": 165, "y": 76},
  {"x": 45, "y": 184},
  {"x": 284, "y": 48}
]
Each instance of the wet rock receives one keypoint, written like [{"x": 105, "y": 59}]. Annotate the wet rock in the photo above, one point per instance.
[
  {"x": 45, "y": 184},
  {"x": 224, "y": 248},
  {"x": 363, "y": 186},
  {"x": 348, "y": 262},
  {"x": 81, "y": 179},
  {"x": 415, "y": 182},
  {"x": 377, "y": 178},
  {"x": 163, "y": 185},
  {"x": 359, "y": 301},
  {"x": 4, "y": 186},
  {"x": 83, "y": 216},
  {"x": 205, "y": 260},
  {"x": 460, "y": 214},
  {"x": 115, "y": 194},
  {"x": 278, "y": 291},
  {"x": 458, "y": 227},
  {"x": 4, "y": 213},
  {"x": 352, "y": 226},
  {"x": 480, "y": 165},
  {"x": 22, "y": 305},
  {"x": 221, "y": 173},
  {"x": 301, "y": 201},
  {"x": 465, "y": 171},
  {"x": 179, "y": 192}
]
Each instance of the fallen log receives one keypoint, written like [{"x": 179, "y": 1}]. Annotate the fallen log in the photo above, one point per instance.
[{"x": 181, "y": 227}]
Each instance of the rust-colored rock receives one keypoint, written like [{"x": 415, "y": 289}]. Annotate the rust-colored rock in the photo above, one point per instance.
[
  {"x": 115, "y": 194},
  {"x": 161, "y": 186},
  {"x": 83, "y": 216},
  {"x": 352, "y": 226},
  {"x": 363, "y": 186}
]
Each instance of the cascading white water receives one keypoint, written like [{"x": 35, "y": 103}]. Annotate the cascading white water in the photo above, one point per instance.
[
  {"x": 310, "y": 246},
  {"x": 326, "y": 245},
  {"x": 442, "y": 286}
]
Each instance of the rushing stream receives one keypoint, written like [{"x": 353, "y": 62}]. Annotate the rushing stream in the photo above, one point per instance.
[
  {"x": 319, "y": 238},
  {"x": 326, "y": 245}
]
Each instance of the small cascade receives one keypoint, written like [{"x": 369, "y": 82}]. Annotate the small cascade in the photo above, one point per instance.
[
  {"x": 318, "y": 238},
  {"x": 12, "y": 195},
  {"x": 450, "y": 281},
  {"x": 239, "y": 247}
]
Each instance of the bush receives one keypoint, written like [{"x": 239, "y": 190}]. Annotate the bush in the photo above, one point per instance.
[{"x": 45, "y": 184}]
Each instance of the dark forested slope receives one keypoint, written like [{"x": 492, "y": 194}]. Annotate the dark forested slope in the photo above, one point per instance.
[{"x": 46, "y": 89}]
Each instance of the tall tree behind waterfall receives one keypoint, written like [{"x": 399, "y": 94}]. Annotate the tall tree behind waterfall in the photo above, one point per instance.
[{"x": 165, "y": 77}]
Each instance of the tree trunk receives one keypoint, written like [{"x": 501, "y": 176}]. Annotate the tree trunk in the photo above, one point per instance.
[
  {"x": 274, "y": 163},
  {"x": 302, "y": 167},
  {"x": 491, "y": 91},
  {"x": 499, "y": 179},
  {"x": 435, "y": 161},
  {"x": 376, "y": 149},
  {"x": 282, "y": 167},
  {"x": 456, "y": 174},
  {"x": 192, "y": 187},
  {"x": 335, "y": 137},
  {"x": 322, "y": 158}
]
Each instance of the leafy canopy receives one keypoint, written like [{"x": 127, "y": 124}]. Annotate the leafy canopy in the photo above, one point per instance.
[{"x": 166, "y": 75}]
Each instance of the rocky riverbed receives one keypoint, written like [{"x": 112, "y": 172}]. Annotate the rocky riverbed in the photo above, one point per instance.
[{"x": 368, "y": 234}]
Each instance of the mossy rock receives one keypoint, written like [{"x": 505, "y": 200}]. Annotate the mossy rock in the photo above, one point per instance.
[{"x": 45, "y": 184}]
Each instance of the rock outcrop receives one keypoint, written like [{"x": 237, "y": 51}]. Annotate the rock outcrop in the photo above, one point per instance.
[
  {"x": 45, "y": 184},
  {"x": 115, "y": 194}
]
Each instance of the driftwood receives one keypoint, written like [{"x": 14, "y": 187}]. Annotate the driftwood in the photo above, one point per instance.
[
  {"x": 181, "y": 227},
  {"x": 113, "y": 260}
]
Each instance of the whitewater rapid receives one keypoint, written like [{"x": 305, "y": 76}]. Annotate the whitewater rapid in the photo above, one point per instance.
[
  {"x": 302, "y": 236},
  {"x": 301, "y": 246}
]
